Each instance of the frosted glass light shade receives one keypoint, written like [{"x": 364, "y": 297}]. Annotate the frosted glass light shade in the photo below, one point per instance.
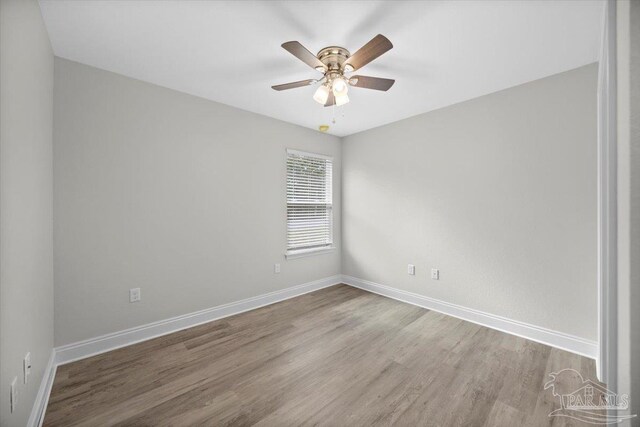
[
  {"x": 342, "y": 99},
  {"x": 321, "y": 95},
  {"x": 339, "y": 87}
]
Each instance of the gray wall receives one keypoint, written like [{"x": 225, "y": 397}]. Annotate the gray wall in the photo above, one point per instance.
[
  {"x": 180, "y": 196},
  {"x": 26, "y": 271},
  {"x": 499, "y": 193}
]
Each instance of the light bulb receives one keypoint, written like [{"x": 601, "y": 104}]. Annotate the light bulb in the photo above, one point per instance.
[
  {"x": 339, "y": 87},
  {"x": 321, "y": 95},
  {"x": 342, "y": 99}
]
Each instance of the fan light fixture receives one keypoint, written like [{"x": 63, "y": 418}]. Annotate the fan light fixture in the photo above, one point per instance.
[
  {"x": 334, "y": 62},
  {"x": 321, "y": 95},
  {"x": 342, "y": 99},
  {"x": 339, "y": 87}
]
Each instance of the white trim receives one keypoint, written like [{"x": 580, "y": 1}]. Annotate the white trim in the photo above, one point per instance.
[
  {"x": 607, "y": 201},
  {"x": 549, "y": 337},
  {"x": 93, "y": 346},
  {"x": 308, "y": 154},
  {"x": 42, "y": 398},
  {"x": 300, "y": 253}
]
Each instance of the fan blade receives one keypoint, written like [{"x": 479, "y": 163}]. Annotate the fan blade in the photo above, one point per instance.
[
  {"x": 331, "y": 100},
  {"x": 303, "y": 54},
  {"x": 370, "y": 51},
  {"x": 294, "y": 85},
  {"x": 375, "y": 83}
]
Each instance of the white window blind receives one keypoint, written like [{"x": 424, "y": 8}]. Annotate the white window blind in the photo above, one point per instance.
[{"x": 309, "y": 202}]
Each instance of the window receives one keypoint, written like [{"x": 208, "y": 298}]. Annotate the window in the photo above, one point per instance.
[{"x": 309, "y": 203}]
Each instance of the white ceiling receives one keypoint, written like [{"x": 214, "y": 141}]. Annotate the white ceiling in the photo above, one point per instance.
[{"x": 444, "y": 51}]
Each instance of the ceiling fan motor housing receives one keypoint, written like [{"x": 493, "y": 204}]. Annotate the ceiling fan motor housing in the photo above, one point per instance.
[{"x": 333, "y": 57}]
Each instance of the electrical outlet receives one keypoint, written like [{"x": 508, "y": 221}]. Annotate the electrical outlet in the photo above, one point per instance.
[
  {"x": 134, "y": 295},
  {"x": 276, "y": 268},
  {"x": 14, "y": 394},
  {"x": 26, "y": 366},
  {"x": 435, "y": 274},
  {"x": 411, "y": 269}
]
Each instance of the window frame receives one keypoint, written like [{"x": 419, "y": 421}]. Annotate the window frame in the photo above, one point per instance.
[{"x": 304, "y": 252}]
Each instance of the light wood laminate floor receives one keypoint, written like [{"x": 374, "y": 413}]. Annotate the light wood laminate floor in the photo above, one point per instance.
[{"x": 336, "y": 357}]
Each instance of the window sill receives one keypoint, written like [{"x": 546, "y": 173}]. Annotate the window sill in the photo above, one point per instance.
[{"x": 308, "y": 252}]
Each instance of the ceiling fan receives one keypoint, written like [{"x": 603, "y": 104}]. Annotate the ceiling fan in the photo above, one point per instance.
[{"x": 334, "y": 62}]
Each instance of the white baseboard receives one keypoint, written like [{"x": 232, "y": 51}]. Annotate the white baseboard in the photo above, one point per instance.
[
  {"x": 534, "y": 333},
  {"x": 93, "y": 346},
  {"x": 87, "y": 348},
  {"x": 42, "y": 398}
]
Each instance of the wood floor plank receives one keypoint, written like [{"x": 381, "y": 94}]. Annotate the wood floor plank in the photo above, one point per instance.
[{"x": 338, "y": 356}]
